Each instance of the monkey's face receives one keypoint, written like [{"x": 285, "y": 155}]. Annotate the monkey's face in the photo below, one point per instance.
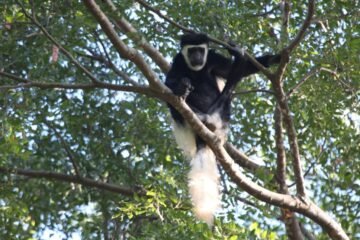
[{"x": 195, "y": 56}]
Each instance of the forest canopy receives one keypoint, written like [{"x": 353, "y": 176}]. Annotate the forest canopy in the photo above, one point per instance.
[{"x": 86, "y": 146}]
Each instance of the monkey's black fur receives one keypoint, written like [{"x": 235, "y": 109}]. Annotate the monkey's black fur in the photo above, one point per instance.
[
  {"x": 200, "y": 88},
  {"x": 194, "y": 76}
]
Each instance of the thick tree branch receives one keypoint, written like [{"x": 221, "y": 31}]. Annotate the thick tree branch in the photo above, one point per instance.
[
  {"x": 280, "y": 152},
  {"x": 25, "y": 83},
  {"x": 73, "y": 179},
  {"x": 307, "y": 208},
  {"x": 132, "y": 33},
  {"x": 289, "y": 218},
  {"x": 293, "y": 230},
  {"x": 292, "y": 137},
  {"x": 129, "y": 53}
]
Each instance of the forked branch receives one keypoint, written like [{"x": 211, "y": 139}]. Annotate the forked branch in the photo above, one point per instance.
[{"x": 277, "y": 84}]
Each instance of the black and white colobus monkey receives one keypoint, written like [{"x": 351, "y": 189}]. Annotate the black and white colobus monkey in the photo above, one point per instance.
[{"x": 206, "y": 80}]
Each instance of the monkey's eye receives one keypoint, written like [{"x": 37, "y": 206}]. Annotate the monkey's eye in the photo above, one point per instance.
[{"x": 196, "y": 49}]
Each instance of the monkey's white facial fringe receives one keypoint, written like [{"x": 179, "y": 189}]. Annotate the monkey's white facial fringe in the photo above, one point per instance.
[
  {"x": 204, "y": 185},
  {"x": 184, "y": 52}
]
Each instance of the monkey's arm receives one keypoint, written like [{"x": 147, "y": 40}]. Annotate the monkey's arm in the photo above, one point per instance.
[
  {"x": 176, "y": 80},
  {"x": 266, "y": 61},
  {"x": 219, "y": 65},
  {"x": 179, "y": 88}
]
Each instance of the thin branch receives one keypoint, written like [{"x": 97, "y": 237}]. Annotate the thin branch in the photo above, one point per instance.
[
  {"x": 254, "y": 91},
  {"x": 292, "y": 137},
  {"x": 110, "y": 64},
  {"x": 285, "y": 52},
  {"x": 61, "y": 48},
  {"x": 312, "y": 163},
  {"x": 243, "y": 200},
  {"x": 73, "y": 179},
  {"x": 234, "y": 195},
  {"x": 300, "y": 35},
  {"x": 93, "y": 56},
  {"x": 265, "y": 13},
  {"x": 309, "y": 75},
  {"x": 241, "y": 159},
  {"x": 13, "y": 77},
  {"x": 286, "y": 17},
  {"x": 9, "y": 87},
  {"x": 307, "y": 234},
  {"x": 25, "y": 83},
  {"x": 169, "y": 20},
  {"x": 66, "y": 148}
]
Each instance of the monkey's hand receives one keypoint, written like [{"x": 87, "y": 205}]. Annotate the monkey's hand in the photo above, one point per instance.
[
  {"x": 268, "y": 60},
  {"x": 235, "y": 50},
  {"x": 274, "y": 59},
  {"x": 210, "y": 126},
  {"x": 184, "y": 88}
]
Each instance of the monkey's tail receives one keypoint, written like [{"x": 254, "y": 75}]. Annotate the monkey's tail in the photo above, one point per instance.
[{"x": 204, "y": 185}]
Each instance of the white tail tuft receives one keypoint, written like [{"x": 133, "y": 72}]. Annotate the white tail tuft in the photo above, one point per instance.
[
  {"x": 185, "y": 138},
  {"x": 204, "y": 185}
]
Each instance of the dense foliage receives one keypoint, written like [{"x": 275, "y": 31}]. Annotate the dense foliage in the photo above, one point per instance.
[{"x": 124, "y": 138}]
